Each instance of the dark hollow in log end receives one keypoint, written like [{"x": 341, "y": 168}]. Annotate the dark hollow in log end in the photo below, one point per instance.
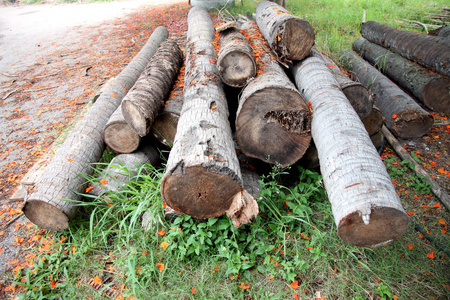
[
  {"x": 45, "y": 215},
  {"x": 196, "y": 192},
  {"x": 436, "y": 95},
  {"x": 236, "y": 68},
  {"x": 135, "y": 118},
  {"x": 273, "y": 129},
  {"x": 412, "y": 124},
  {"x": 386, "y": 224},
  {"x": 120, "y": 138},
  {"x": 295, "y": 40}
]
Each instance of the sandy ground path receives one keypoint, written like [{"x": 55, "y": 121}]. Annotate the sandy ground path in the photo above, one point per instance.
[{"x": 53, "y": 59}]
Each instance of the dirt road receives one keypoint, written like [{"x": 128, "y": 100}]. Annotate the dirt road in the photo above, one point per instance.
[{"x": 53, "y": 59}]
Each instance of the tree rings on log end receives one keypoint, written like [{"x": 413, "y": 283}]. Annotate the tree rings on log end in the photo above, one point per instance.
[
  {"x": 412, "y": 124},
  {"x": 274, "y": 125},
  {"x": 436, "y": 95},
  {"x": 45, "y": 215},
  {"x": 121, "y": 138},
  {"x": 134, "y": 118},
  {"x": 237, "y": 68},
  {"x": 294, "y": 40},
  {"x": 199, "y": 193},
  {"x": 386, "y": 224}
]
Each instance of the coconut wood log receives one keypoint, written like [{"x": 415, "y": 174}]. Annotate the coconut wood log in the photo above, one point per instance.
[
  {"x": 145, "y": 100},
  {"x": 118, "y": 135},
  {"x": 47, "y": 206},
  {"x": 290, "y": 37},
  {"x": 123, "y": 168},
  {"x": 212, "y": 4},
  {"x": 359, "y": 96},
  {"x": 203, "y": 178},
  {"x": 236, "y": 62},
  {"x": 437, "y": 190},
  {"x": 273, "y": 120},
  {"x": 165, "y": 125},
  {"x": 403, "y": 115},
  {"x": 423, "y": 49},
  {"x": 366, "y": 208},
  {"x": 431, "y": 88}
]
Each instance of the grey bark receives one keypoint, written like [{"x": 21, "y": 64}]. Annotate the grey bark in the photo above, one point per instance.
[
  {"x": 236, "y": 62},
  {"x": 290, "y": 37},
  {"x": 144, "y": 101},
  {"x": 423, "y": 49},
  {"x": 123, "y": 168},
  {"x": 431, "y": 88},
  {"x": 203, "y": 178},
  {"x": 51, "y": 205},
  {"x": 367, "y": 210},
  {"x": 403, "y": 115},
  {"x": 273, "y": 120}
]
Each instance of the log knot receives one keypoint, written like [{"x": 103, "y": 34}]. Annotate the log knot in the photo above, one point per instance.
[{"x": 294, "y": 121}]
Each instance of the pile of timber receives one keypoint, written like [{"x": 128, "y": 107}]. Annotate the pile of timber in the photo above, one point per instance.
[{"x": 180, "y": 101}]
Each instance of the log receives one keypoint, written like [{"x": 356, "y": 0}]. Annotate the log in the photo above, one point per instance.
[
  {"x": 403, "y": 115},
  {"x": 366, "y": 208},
  {"x": 431, "y": 88},
  {"x": 236, "y": 62},
  {"x": 212, "y": 4},
  {"x": 203, "y": 178},
  {"x": 290, "y": 37},
  {"x": 145, "y": 100},
  {"x": 273, "y": 120},
  {"x": 123, "y": 168},
  {"x": 359, "y": 96},
  {"x": 373, "y": 124},
  {"x": 118, "y": 135},
  {"x": 423, "y": 49},
  {"x": 47, "y": 206},
  {"x": 280, "y": 2},
  {"x": 435, "y": 188},
  {"x": 165, "y": 125}
]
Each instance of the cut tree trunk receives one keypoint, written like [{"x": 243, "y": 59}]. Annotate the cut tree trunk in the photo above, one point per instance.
[
  {"x": 403, "y": 115},
  {"x": 423, "y": 49},
  {"x": 373, "y": 124},
  {"x": 366, "y": 208},
  {"x": 430, "y": 88},
  {"x": 280, "y": 2},
  {"x": 359, "y": 96},
  {"x": 165, "y": 125},
  {"x": 123, "y": 168},
  {"x": 212, "y": 4},
  {"x": 273, "y": 121},
  {"x": 145, "y": 100},
  {"x": 236, "y": 62},
  {"x": 290, "y": 37},
  {"x": 47, "y": 206},
  {"x": 203, "y": 177},
  {"x": 118, "y": 135}
]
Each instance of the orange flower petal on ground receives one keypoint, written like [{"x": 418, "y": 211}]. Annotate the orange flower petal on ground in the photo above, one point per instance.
[
  {"x": 410, "y": 213},
  {"x": 161, "y": 232},
  {"x": 160, "y": 266},
  {"x": 53, "y": 284},
  {"x": 436, "y": 205},
  {"x": 243, "y": 286},
  {"x": 193, "y": 290},
  {"x": 411, "y": 246},
  {"x": 164, "y": 245},
  {"x": 394, "y": 116},
  {"x": 430, "y": 255},
  {"x": 97, "y": 280},
  {"x": 89, "y": 189},
  {"x": 295, "y": 295},
  {"x": 103, "y": 181},
  {"x": 442, "y": 222},
  {"x": 294, "y": 285}
]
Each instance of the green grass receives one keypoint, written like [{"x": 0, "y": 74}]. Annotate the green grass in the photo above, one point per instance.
[
  {"x": 293, "y": 239},
  {"x": 338, "y": 23}
]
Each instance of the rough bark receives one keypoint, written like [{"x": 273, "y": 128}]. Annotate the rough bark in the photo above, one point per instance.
[
  {"x": 359, "y": 96},
  {"x": 403, "y": 115},
  {"x": 118, "y": 135},
  {"x": 165, "y": 125},
  {"x": 290, "y": 37},
  {"x": 145, "y": 100},
  {"x": 212, "y": 4},
  {"x": 430, "y": 88},
  {"x": 366, "y": 208},
  {"x": 47, "y": 206},
  {"x": 435, "y": 188},
  {"x": 273, "y": 120},
  {"x": 123, "y": 168},
  {"x": 423, "y": 49},
  {"x": 236, "y": 62},
  {"x": 203, "y": 178}
]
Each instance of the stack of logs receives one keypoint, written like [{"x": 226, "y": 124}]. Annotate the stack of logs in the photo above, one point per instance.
[{"x": 276, "y": 120}]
